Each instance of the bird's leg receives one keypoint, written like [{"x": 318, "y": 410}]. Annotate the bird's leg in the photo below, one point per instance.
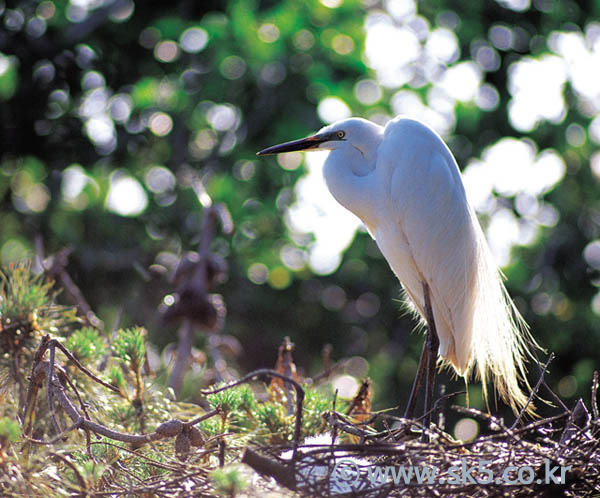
[
  {"x": 432, "y": 344},
  {"x": 412, "y": 400}
]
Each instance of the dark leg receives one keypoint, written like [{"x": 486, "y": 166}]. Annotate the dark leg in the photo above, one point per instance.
[
  {"x": 412, "y": 401},
  {"x": 432, "y": 345}
]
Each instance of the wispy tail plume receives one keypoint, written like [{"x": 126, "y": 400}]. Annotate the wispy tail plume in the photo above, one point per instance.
[{"x": 501, "y": 340}]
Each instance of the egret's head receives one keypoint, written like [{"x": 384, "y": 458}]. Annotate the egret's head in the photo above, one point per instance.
[{"x": 356, "y": 132}]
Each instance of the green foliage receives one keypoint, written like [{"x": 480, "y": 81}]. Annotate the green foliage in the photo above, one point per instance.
[
  {"x": 87, "y": 345},
  {"x": 130, "y": 346},
  {"x": 28, "y": 311},
  {"x": 226, "y": 401},
  {"x": 9, "y": 77},
  {"x": 211, "y": 427},
  {"x": 92, "y": 473},
  {"x": 274, "y": 423},
  {"x": 140, "y": 408},
  {"x": 247, "y": 400},
  {"x": 28, "y": 306},
  {"x": 22, "y": 293},
  {"x": 316, "y": 403},
  {"x": 10, "y": 431},
  {"x": 267, "y": 421},
  {"x": 229, "y": 481},
  {"x": 117, "y": 377}
]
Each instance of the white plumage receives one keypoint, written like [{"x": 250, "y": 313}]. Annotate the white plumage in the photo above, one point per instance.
[{"x": 404, "y": 184}]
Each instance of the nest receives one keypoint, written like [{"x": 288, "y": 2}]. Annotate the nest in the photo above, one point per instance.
[{"x": 552, "y": 457}]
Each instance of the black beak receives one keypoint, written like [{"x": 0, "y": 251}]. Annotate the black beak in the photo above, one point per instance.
[{"x": 302, "y": 144}]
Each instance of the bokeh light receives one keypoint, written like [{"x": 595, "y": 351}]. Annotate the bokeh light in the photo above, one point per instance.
[
  {"x": 290, "y": 161},
  {"x": 466, "y": 429},
  {"x": 332, "y": 109},
  {"x": 316, "y": 211},
  {"x": 74, "y": 184},
  {"x": 368, "y": 92},
  {"x": 159, "y": 180},
  {"x": 537, "y": 87},
  {"x": 193, "y": 40},
  {"x": 258, "y": 273},
  {"x": 160, "y": 124},
  {"x": 392, "y": 66},
  {"x": 268, "y": 33},
  {"x": 346, "y": 386},
  {"x": 126, "y": 196},
  {"x": 166, "y": 51}
]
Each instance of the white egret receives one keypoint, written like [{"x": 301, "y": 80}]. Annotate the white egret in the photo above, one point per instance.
[{"x": 403, "y": 182}]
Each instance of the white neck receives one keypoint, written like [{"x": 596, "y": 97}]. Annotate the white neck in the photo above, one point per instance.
[{"x": 347, "y": 175}]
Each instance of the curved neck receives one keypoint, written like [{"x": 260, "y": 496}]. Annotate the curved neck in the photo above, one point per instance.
[{"x": 347, "y": 175}]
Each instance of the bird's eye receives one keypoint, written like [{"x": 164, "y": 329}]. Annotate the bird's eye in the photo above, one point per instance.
[{"x": 341, "y": 134}]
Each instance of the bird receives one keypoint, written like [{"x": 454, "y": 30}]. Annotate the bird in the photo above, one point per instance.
[{"x": 405, "y": 185}]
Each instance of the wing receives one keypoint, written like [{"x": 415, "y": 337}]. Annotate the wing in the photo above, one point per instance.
[{"x": 428, "y": 233}]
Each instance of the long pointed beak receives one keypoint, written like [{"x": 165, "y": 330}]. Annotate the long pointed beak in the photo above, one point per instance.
[{"x": 302, "y": 144}]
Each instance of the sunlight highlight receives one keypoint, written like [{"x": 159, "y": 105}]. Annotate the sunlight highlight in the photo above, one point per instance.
[
  {"x": 510, "y": 168},
  {"x": 537, "y": 87},
  {"x": 332, "y": 109},
  {"x": 316, "y": 211},
  {"x": 126, "y": 196},
  {"x": 382, "y": 53}
]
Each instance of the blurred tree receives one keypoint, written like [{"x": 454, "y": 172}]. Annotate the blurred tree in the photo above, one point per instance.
[{"x": 111, "y": 110}]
